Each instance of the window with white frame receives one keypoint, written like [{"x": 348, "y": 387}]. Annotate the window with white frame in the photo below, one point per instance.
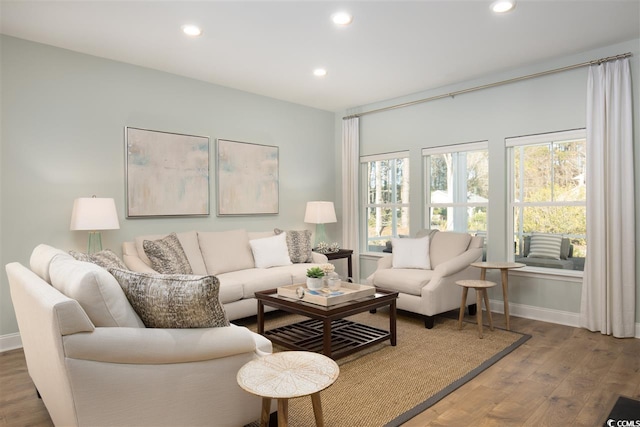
[
  {"x": 548, "y": 199},
  {"x": 385, "y": 184},
  {"x": 457, "y": 187}
]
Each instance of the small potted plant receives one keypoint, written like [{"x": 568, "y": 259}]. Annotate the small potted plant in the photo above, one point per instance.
[{"x": 314, "y": 278}]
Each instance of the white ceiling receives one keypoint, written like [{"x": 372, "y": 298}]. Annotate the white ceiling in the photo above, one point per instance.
[{"x": 392, "y": 48}]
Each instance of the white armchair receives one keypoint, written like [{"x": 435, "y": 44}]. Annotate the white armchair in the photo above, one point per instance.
[
  {"x": 433, "y": 291},
  {"x": 90, "y": 375}
]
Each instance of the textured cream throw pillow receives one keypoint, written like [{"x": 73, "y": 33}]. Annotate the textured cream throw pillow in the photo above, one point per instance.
[
  {"x": 167, "y": 255},
  {"x": 299, "y": 244},
  {"x": 173, "y": 300},
  {"x": 106, "y": 258},
  {"x": 411, "y": 253}
]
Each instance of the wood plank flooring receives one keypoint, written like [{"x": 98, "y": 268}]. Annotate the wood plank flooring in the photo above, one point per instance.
[{"x": 561, "y": 376}]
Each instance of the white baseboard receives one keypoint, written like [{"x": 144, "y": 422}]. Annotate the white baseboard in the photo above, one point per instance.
[
  {"x": 543, "y": 314},
  {"x": 10, "y": 342}
]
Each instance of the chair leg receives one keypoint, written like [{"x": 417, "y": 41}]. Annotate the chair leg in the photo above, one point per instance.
[
  {"x": 273, "y": 419},
  {"x": 429, "y": 321},
  {"x": 473, "y": 308}
]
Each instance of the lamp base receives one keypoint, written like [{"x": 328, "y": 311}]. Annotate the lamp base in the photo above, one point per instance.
[
  {"x": 95, "y": 242},
  {"x": 321, "y": 236}
]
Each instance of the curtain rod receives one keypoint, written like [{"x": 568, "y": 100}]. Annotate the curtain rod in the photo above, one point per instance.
[{"x": 490, "y": 85}]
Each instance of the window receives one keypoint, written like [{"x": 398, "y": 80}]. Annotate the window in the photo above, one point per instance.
[
  {"x": 548, "y": 196},
  {"x": 386, "y": 192},
  {"x": 457, "y": 187}
]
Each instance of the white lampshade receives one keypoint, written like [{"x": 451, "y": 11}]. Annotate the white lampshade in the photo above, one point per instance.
[
  {"x": 93, "y": 213},
  {"x": 320, "y": 213}
]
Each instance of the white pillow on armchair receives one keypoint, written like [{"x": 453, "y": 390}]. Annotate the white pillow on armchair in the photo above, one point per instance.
[{"x": 411, "y": 253}]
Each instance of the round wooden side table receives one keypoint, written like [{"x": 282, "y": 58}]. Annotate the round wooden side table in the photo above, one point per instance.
[
  {"x": 286, "y": 375},
  {"x": 480, "y": 287},
  {"x": 504, "y": 268}
]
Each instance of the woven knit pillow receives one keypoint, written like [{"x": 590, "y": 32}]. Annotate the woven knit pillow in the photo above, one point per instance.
[
  {"x": 105, "y": 258},
  {"x": 545, "y": 246},
  {"x": 299, "y": 245},
  {"x": 173, "y": 300},
  {"x": 167, "y": 255}
]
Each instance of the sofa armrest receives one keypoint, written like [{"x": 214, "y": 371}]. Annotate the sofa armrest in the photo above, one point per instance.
[
  {"x": 319, "y": 258},
  {"x": 384, "y": 262},
  {"x": 459, "y": 263},
  {"x": 159, "y": 346}
]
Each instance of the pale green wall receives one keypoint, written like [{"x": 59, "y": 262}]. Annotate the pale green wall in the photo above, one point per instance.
[
  {"x": 63, "y": 119},
  {"x": 545, "y": 104}
]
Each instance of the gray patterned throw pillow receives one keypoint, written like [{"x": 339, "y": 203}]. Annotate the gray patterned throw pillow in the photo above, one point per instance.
[
  {"x": 299, "y": 244},
  {"x": 173, "y": 300},
  {"x": 167, "y": 255},
  {"x": 106, "y": 258}
]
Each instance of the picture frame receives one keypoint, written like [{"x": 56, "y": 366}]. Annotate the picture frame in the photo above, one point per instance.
[
  {"x": 248, "y": 178},
  {"x": 166, "y": 174}
]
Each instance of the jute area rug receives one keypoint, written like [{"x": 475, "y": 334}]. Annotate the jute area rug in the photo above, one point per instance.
[{"x": 387, "y": 386}]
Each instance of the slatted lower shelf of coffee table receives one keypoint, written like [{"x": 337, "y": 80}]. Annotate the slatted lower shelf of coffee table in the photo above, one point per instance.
[
  {"x": 328, "y": 331},
  {"x": 347, "y": 337}
]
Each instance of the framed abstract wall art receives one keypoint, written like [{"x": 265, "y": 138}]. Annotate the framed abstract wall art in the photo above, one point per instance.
[
  {"x": 167, "y": 174},
  {"x": 247, "y": 178}
]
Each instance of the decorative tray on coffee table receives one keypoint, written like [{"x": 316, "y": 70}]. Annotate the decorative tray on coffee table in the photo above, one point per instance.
[{"x": 326, "y": 297}]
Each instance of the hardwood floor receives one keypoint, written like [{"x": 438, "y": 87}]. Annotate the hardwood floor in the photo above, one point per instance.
[{"x": 561, "y": 376}]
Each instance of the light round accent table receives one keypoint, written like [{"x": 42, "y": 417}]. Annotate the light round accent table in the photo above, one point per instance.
[
  {"x": 286, "y": 375},
  {"x": 481, "y": 287},
  {"x": 504, "y": 267}
]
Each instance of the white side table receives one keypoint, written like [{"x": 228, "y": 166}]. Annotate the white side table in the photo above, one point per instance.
[{"x": 286, "y": 375}]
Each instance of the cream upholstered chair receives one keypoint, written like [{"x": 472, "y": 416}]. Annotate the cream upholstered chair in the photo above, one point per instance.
[
  {"x": 430, "y": 291},
  {"x": 124, "y": 374}
]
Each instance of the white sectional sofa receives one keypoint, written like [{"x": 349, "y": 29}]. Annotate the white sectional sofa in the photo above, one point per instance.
[
  {"x": 228, "y": 256},
  {"x": 430, "y": 291},
  {"x": 95, "y": 364}
]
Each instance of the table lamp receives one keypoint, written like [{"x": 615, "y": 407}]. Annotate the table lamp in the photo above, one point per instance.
[
  {"x": 94, "y": 214},
  {"x": 320, "y": 213}
]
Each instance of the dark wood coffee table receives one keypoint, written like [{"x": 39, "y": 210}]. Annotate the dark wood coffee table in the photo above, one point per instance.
[{"x": 327, "y": 331}]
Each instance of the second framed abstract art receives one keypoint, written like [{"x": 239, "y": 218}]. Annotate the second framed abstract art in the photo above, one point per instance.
[{"x": 248, "y": 178}]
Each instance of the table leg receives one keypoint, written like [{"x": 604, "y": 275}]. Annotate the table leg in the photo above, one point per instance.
[
  {"x": 266, "y": 412},
  {"x": 486, "y": 304},
  {"x": 317, "y": 409},
  {"x": 479, "y": 311},
  {"x": 326, "y": 337},
  {"x": 349, "y": 267},
  {"x": 483, "y": 274},
  {"x": 283, "y": 412},
  {"x": 392, "y": 322},
  {"x": 260, "y": 317},
  {"x": 463, "y": 304},
  {"x": 505, "y": 295}
]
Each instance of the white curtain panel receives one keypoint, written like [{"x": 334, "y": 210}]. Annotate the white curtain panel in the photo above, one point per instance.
[
  {"x": 608, "y": 290},
  {"x": 350, "y": 184}
]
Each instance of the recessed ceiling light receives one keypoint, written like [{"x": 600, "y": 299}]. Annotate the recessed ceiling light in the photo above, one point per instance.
[
  {"x": 503, "y": 6},
  {"x": 319, "y": 72},
  {"x": 342, "y": 18},
  {"x": 191, "y": 30}
]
